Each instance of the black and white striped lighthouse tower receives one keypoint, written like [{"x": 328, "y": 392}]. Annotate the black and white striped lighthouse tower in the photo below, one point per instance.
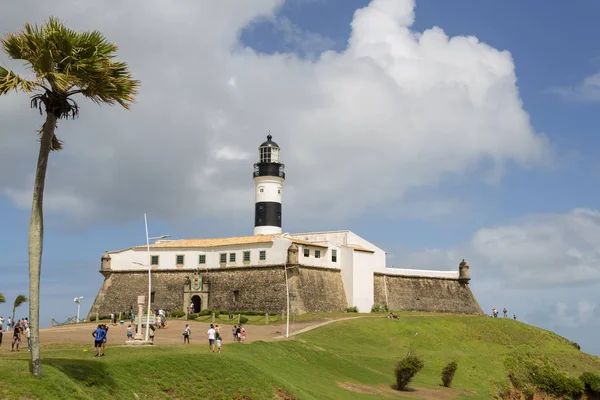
[{"x": 268, "y": 183}]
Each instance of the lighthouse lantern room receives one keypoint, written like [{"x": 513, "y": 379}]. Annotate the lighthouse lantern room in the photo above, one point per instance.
[{"x": 268, "y": 184}]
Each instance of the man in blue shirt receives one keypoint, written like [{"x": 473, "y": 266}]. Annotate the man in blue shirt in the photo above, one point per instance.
[{"x": 99, "y": 334}]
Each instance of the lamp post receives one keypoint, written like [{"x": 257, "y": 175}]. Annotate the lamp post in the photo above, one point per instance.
[
  {"x": 149, "y": 273},
  {"x": 77, "y": 301}
]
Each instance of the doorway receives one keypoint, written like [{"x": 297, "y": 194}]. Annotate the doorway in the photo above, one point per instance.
[{"x": 197, "y": 301}]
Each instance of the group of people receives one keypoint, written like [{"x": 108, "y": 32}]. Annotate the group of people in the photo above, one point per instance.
[
  {"x": 20, "y": 330},
  {"x": 214, "y": 336},
  {"x": 10, "y": 325},
  {"x": 100, "y": 337},
  {"x": 495, "y": 313}
]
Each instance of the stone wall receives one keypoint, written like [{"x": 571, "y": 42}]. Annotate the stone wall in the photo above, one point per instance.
[
  {"x": 258, "y": 288},
  {"x": 425, "y": 294}
]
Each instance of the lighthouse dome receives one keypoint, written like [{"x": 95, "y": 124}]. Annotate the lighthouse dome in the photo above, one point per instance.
[{"x": 269, "y": 143}]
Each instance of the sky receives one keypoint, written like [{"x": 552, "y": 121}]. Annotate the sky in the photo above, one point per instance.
[{"x": 436, "y": 130}]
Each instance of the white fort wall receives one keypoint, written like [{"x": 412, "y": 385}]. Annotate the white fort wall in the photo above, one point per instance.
[{"x": 276, "y": 254}]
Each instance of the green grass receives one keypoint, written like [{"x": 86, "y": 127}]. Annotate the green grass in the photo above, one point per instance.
[{"x": 360, "y": 351}]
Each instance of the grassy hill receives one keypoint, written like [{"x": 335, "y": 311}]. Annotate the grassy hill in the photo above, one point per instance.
[{"x": 350, "y": 359}]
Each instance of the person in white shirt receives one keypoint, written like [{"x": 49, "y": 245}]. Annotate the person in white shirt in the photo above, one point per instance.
[
  {"x": 9, "y": 324},
  {"x": 211, "y": 338},
  {"x": 1, "y": 323},
  {"x": 28, "y": 335}
]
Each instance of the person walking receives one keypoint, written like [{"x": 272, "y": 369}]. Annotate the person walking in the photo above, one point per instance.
[
  {"x": 211, "y": 337},
  {"x": 16, "y": 340},
  {"x": 1, "y": 323},
  {"x": 505, "y": 311},
  {"x": 218, "y": 339},
  {"x": 129, "y": 332},
  {"x": 234, "y": 332},
  {"x": 28, "y": 336},
  {"x": 186, "y": 334}
]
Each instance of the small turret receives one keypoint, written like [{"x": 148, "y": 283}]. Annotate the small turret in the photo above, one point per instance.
[
  {"x": 105, "y": 266},
  {"x": 463, "y": 272},
  {"x": 292, "y": 257}
]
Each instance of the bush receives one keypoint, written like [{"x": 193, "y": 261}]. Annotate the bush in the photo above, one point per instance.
[
  {"x": 448, "y": 373},
  {"x": 243, "y": 320},
  {"x": 192, "y": 316},
  {"x": 177, "y": 313},
  {"x": 379, "y": 308},
  {"x": 553, "y": 382},
  {"x": 204, "y": 312},
  {"x": 352, "y": 309},
  {"x": 406, "y": 369},
  {"x": 591, "y": 382}
]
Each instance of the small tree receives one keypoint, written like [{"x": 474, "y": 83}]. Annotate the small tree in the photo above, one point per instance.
[
  {"x": 448, "y": 373},
  {"x": 2, "y": 298},
  {"x": 18, "y": 301},
  {"x": 406, "y": 369}
]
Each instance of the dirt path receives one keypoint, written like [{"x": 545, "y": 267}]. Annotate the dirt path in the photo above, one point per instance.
[{"x": 117, "y": 335}]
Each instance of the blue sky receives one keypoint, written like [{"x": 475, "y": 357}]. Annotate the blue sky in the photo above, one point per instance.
[{"x": 510, "y": 197}]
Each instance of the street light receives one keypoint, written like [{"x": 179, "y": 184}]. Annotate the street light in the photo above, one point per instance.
[
  {"x": 150, "y": 273},
  {"x": 77, "y": 301}
]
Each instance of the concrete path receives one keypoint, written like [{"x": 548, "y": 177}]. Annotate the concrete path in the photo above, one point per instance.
[{"x": 315, "y": 326}]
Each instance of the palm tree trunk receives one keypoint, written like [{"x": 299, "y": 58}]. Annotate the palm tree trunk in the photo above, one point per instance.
[{"x": 36, "y": 242}]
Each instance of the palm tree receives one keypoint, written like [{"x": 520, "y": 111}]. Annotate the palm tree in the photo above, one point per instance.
[
  {"x": 2, "y": 298},
  {"x": 65, "y": 63},
  {"x": 18, "y": 301}
]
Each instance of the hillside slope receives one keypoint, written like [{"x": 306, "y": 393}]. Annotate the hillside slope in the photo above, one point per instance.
[{"x": 350, "y": 359}]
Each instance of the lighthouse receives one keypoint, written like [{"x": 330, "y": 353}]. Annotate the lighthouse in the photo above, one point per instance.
[{"x": 268, "y": 185}]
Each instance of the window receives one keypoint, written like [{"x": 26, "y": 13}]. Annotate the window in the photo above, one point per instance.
[
  {"x": 236, "y": 295},
  {"x": 265, "y": 154},
  {"x": 261, "y": 189},
  {"x": 278, "y": 190},
  {"x": 262, "y": 256},
  {"x": 246, "y": 256},
  {"x": 179, "y": 259},
  {"x": 223, "y": 258},
  {"x": 232, "y": 257},
  {"x": 306, "y": 252},
  {"x": 317, "y": 253},
  {"x": 154, "y": 260},
  {"x": 202, "y": 259},
  {"x": 151, "y": 297},
  {"x": 333, "y": 255}
]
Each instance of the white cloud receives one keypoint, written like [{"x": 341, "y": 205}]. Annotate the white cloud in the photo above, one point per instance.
[
  {"x": 396, "y": 110},
  {"x": 587, "y": 91},
  {"x": 546, "y": 250}
]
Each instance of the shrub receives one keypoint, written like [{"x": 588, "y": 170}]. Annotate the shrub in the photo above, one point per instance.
[
  {"x": 591, "y": 382},
  {"x": 352, "y": 309},
  {"x": 204, "y": 312},
  {"x": 448, "y": 373},
  {"x": 406, "y": 369},
  {"x": 177, "y": 313},
  {"x": 551, "y": 381},
  {"x": 243, "y": 320},
  {"x": 379, "y": 308},
  {"x": 192, "y": 316}
]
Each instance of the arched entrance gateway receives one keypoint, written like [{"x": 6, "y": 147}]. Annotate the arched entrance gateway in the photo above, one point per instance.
[
  {"x": 196, "y": 290},
  {"x": 197, "y": 301}
]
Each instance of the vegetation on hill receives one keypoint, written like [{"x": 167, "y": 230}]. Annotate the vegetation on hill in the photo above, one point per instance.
[{"x": 352, "y": 359}]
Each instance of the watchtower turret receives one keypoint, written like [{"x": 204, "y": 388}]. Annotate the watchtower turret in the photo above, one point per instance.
[
  {"x": 463, "y": 272},
  {"x": 105, "y": 266}
]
